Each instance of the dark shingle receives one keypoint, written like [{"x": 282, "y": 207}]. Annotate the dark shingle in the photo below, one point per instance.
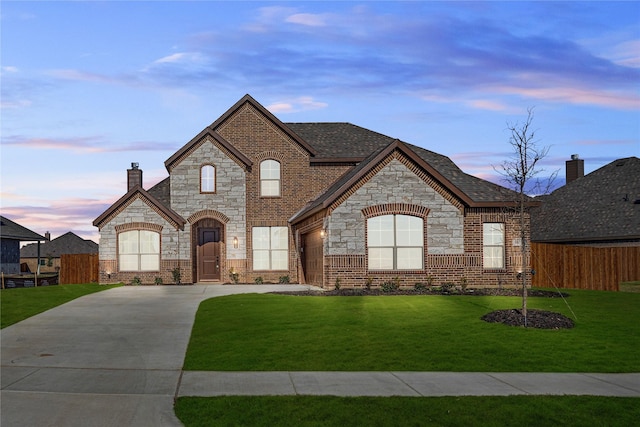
[
  {"x": 68, "y": 243},
  {"x": 162, "y": 192},
  {"x": 13, "y": 230},
  {"x": 596, "y": 207}
]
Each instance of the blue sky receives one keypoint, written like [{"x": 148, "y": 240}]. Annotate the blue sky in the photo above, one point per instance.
[{"x": 89, "y": 87}]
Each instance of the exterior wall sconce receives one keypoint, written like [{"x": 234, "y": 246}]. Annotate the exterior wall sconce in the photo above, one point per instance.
[
  {"x": 235, "y": 242},
  {"x": 323, "y": 233}
]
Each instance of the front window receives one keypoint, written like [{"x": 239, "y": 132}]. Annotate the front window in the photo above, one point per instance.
[
  {"x": 208, "y": 179},
  {"x": 395, "y": 242},
  {"x": 270, "y": 178},
  {"x": 493, "y": 245},
  {"x": 270, "y": 248},
  {"x": 139, "y": 250}
]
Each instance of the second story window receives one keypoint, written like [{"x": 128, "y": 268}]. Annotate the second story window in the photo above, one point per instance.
[
  {"x": 208, "y": 179},
  {"x": 270, "y": 178}
]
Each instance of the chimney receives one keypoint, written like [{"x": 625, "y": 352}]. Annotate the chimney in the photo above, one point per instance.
[
  {"x": 134, "y": 177},
  {"x": 47, "y": 236},
  {"x": 575, "y": 168}
]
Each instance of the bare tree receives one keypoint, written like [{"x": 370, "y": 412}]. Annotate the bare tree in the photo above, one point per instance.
[{"x": 519, "y": 173}]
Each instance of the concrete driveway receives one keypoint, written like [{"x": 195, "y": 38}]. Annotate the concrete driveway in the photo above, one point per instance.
[{"x": 113, "y": 358}]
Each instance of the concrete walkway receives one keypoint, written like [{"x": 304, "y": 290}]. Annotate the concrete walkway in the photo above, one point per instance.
[{"x": 114, "y": 359}]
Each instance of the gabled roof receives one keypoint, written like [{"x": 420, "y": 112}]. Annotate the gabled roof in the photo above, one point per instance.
[
  {"x": 471, "y": 191},
  {"x": 68, "y": 243},
  {"x": 14, "y": 231},
  {"x": 601, "y": 206},
  {"x": 211, "y": 130},
  {"x": 137, "y": 191},
  {"x": 175, "y": 159}
]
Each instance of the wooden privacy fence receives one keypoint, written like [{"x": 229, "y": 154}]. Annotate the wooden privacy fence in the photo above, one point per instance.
[
  {"x": 78, "y": 268},
  {"x": 584, "y": 267}
]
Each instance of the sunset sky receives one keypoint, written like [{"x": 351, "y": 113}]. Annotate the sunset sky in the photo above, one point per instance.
[{"x": 89, "y": 87}]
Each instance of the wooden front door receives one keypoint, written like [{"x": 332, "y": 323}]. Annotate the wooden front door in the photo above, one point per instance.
[{"x": 208, "y": 254}]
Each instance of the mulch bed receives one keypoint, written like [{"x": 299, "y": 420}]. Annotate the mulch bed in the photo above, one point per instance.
[{"x": 540, "y": 319}]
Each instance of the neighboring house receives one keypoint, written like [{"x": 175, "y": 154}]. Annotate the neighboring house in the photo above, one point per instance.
[
  {"x": 317, "y": 203},
  {"x": 11, "y": 234},
  {"x": 598, "y": 209},
  {"x": 52, "y": 250}
]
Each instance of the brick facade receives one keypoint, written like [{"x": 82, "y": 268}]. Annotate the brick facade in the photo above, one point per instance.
[{"x": 328, "y": 246}]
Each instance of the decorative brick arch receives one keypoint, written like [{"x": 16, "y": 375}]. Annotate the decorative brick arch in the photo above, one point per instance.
[
  {"x": 270, "y": 155},
  {"x": 208, "y": 213},
  {"x": 396, "y": 209},
  {"x": 138, "y": 226}
]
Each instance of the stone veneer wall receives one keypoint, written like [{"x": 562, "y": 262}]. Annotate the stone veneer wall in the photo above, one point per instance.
[
  {"x": 346, "y": 224},
  {"x": 453, "y": 241},
  {"x": 229, "y": 199},
  {"x": 138, "y": 215}
]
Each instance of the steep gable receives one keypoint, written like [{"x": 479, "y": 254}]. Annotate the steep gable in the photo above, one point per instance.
[{"x": 138, "y": 193}]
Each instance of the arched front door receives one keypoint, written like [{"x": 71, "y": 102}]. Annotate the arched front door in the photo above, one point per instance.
[{"x": 208, "y": 250}]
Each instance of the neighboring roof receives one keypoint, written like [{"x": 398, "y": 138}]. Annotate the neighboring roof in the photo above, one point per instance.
[
  {"x": 470, "y": 190},
  {"x": 68, "y": 243},
  {"x": 603, "y": 205},
  {"x": 169, "y": 214},
  {"x": 14, "y": 231}
]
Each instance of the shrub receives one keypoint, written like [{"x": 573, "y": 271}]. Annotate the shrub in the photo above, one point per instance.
[
  {"x": 337, "y": 283},
  {"x": 177, "y": 275},
  {"x": 234, "y": 276},
  {"x": 463, "y": 283},
  {"x": 283, "y": 279},
  {"x": 420, "y": 287},
  {"x": 158, "y": 280},
  {"x": 136, "y": 281},
  {"x": 390, "y": 286},
  {"x": 258, "y": 280},
  {"x": 447, "y": 287},
  {"x": 368, "y": 283}
]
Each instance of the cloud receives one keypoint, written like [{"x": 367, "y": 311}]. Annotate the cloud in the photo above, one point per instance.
[
  {"x": 60, "y": 216},
  {"x": 606, "y": 142},
  {"x": 302, "y": 103},
  {"x": 90, "y": 144},
  {"x": 308, "y": 19}
]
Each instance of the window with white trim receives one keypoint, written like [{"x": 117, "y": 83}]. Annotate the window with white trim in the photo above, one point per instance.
[
  {"x": 270, "y": 248},
  {"x": 270, "y": 178},
  {"x": 208, "y": 179},
  {"x": 139, "y": 250},
  {"x": 395, "y": 242},
  {"x": 493, "y": 245}
]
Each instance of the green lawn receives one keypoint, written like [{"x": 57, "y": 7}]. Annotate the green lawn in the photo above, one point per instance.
[
  {"x": 324, "y": 411},
  {"x": 20, "y": 303},
  {"x": 406, "y": 333}
]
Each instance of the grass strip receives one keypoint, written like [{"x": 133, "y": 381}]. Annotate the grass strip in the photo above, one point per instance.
[
  {"x": 407, "y": 411},
  {"x": 20, "y": 303},
  {"x": 411, "y": 333}
]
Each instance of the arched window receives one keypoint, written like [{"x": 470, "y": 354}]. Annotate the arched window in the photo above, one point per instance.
[
  {"x": 208, "y": 179},
  {"x": 270, "y": 178},
  {"x": 395, "y": 242},
  {"x": 139, "y": 250}
]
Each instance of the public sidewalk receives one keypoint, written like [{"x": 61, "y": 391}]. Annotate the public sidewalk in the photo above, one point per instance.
[{"x": 198, "y": 383}]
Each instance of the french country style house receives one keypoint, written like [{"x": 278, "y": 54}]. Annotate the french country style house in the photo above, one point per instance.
[{"x": 254, "y": 199}]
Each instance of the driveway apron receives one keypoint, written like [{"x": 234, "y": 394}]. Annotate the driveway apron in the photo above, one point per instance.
[{"x": 112, "y": 358}]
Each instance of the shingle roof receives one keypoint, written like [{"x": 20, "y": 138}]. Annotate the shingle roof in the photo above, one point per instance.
[
  {"x": 603, "y": 205},
  {"x": 470, "y": 190},
  {"x": 13, "y": 230},
  {"x": 68, "y": 243},
  {"x": 162, "y": 192},
  {"x": 340, "y": 140}
]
